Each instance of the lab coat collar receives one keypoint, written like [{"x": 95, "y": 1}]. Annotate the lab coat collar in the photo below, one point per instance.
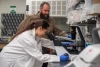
[{"x": 34, "y": 35}]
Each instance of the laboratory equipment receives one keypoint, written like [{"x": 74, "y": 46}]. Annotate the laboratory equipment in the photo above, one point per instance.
[
  {"x": 89, "y": 57},
  {"x": 79, "y": 43}
]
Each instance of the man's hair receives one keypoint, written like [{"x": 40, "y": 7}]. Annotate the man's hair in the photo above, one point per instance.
[{"x": 42, "y": 4}]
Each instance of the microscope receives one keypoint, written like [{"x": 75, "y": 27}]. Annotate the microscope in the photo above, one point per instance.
[{"x": 89, "y": 57}]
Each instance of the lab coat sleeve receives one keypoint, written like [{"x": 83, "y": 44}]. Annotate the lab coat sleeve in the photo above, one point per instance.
[
  {"x": 47, "y": 43},
  {"x": 31, "y": 48}
]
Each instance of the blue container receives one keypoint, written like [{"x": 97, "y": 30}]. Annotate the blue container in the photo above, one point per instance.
[{"x": 87, "y": 44}]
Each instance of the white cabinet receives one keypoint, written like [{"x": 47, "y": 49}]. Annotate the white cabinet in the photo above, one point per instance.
[{"x": 58, "y": 7}]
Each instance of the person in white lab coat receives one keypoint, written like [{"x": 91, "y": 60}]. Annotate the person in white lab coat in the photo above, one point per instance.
[{"x": 25, "y": 47}]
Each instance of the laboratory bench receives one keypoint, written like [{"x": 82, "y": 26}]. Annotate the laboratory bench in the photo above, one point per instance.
[
  {"x": 57, "y": 64},
  {"x": 3, "y": 42},
  {"x": 2, "y": 45}
]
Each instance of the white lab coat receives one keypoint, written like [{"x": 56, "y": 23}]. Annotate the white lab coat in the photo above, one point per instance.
[{"x": 26, "y": 51}]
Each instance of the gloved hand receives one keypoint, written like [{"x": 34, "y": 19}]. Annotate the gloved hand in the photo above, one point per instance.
[
  {"x": 69, "y": 36},
  {"x": 67, "y": 43},
  {"x": 64, "y": 57}
]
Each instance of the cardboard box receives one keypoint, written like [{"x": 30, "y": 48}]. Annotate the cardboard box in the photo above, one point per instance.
[{"x": 96, "y": 1}]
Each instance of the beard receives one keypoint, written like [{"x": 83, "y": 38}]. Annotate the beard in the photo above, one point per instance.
[{"x": 42, "y": 16}]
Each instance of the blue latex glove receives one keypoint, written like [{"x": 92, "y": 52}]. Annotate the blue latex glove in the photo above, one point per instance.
[
  {"x": 64, "y": 57},
  {"x": 69, "y": 36},
  {"x": 67, "y": 43}
]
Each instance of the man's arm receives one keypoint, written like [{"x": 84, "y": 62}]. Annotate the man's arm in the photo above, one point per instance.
[{"x": 23, "y": 23}]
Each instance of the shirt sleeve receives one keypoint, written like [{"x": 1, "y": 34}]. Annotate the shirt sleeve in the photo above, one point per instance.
[
  {"x": 57, "y": 30},
  {"x": 26, "y": 22},
  {"x": 32, "y": 49}
]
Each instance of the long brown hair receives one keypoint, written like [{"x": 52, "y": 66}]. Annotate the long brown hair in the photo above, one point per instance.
[{"x": 34, "y": 23}]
